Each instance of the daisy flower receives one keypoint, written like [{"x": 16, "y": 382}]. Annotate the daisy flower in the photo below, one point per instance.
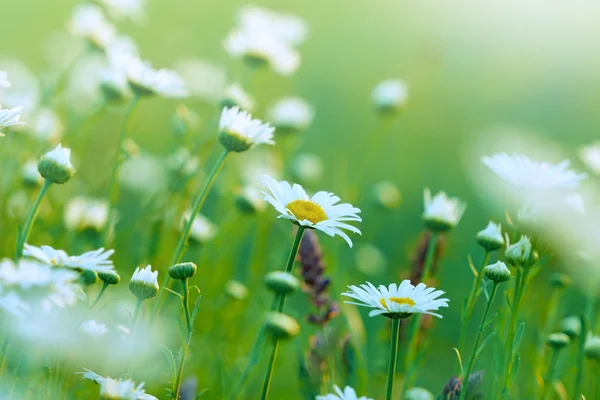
[
  {"x": 146, "y": 81},
  {"x": 118, "y": 9},
  {"x": 239, "y": 132},
  {"x": 397, "y": 301},
  {"x": 82, "y": 213},
  {"x": 317, "y": 212},
  {"x": 97, "y": 260},
  {"x": 347, "y": 394},
  {"x": 442, "y": 212},
  {"x": 10, "y": 117},
  {"x": 235, "y": 96},
  {"x": 286, "y": 27},
  {"x": 291, "y": 114},
  {"x": 117, "y": 389},
  {"x": 590, "y": 155},
  {"x": 93, "y": 328},
  {"x": 88, "y": 22},
  {"x": 521, "y": 172},
  {"x": 390, "y": 95}
]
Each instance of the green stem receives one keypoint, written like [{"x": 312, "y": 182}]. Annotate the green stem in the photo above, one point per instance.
[
  {"x": 585, "y": 323},
  {"x": 393, "y": 357},
  {"x": 24, "y": 234},
  {"x": 185, "y": 234},
  {"x": 112, "y": 198},
  {"x": 290, "y": 262},
  {"x": 482, "y": 324},
  {"x": 550, "y": 375},
  {"x": 550, "y": 313},
  {"x": 100, "y": 293},
  {"x": 188, "y": 339},
  {"x": 269, "y": 374},
  {"x": 4, "y": 350},
  {"x": 136, "y": 314},
  {"x": 251, "y": 363}
]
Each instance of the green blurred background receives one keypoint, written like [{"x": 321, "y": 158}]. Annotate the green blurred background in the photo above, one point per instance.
[{"x": 469, "y": 65}]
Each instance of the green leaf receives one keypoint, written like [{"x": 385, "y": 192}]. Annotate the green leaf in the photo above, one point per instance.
[
  {"x": 196, "y": 307},
  {"x": 171, "y": 361},
  {"x": 490, "y": 319},
  {"x": 508, "y": 301},
  {"x": 174, "y": 292},
  {"x": 462, "y": 372},
  {"x": 484, "y": 343},
  {"x": 472, "y": 267},
  {"x": 201, "y": 393},
  {"x": 518, "y": 337},
  {"x": 515, "y": 368}
]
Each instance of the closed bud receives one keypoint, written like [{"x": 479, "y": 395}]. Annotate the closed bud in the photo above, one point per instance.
[
  {"x": 281, "y": 326},
  {"x": 249, "y": 201},
  {"x": 88, "y": 277},
  {"x": 144, "y": 283},
  {"x": 281, "y": 282},
  {"x": 183, "y": 271},
  {"x": 109, "y": 277},
  {"x": 520, "y": 253},
  {"x": 571, "y": 326},
  {"x": 442, "y": 213},
  {"x": 56, "y": 166},
  {"x": 559, "y": 281},
  {"x": 418, "y": 393},
  {"x": 592, "y": 348},
  {"x": 490, "y": 238},
  {"x": 236, "y": 289},
  {"x": 558, "y": 340},
  {"x": 497, "y": 272}
]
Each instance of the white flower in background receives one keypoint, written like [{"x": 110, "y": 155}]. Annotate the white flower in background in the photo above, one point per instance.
[
  {"x": 397, "y": 301},
  {"x": 291, "y": 114},
  {"x": 146, "y": 81},
  {"x": 114, "y": 85},
  {"x": 590, "y": 155},
  {"x": 239, "y": 132},
  {"x": 250, "y": 201},
  {"x": 286, "y": 27},
  {"x": 97, "y": 260},
  {"x": 521, "y": 172},
  {"x": 307, "y": 168},
  {"x": 118, "y": 9},
  {"x": 25, "y": 88},
  {"x": 88, "y": 22},
  {"x": 4, "y": 83},
  {"x": 10, "y": 117},
  {"x": 117, "y": 389},
  {"x": 45, "y": 125},
  {"x": 370, "y": 260},
  {"x": 347, "y": 394},
  {"x": 56, "y": 166},
  {"x": 387, "y": 195},
  {"x": 13, "y": 304},
  {"x": 82, "y": 93},
  {"x": 390, "y": 95},
  {"x": 442, "y": 212},
  {"x": 317, "y": 212},
  {"x": 144, "y": 283},
  {"x": 93, "y": 328},
  {"x": 202, "y": 229},
  {"x": 204, "y": 79},
  {"x": 235, "y": 96},
  {"x": 259, "y": 47},
  {"x": 82, "y": 213},
  {"x": 575, "y": 202}
]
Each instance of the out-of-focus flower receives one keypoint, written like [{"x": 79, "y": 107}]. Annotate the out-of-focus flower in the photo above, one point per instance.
[
  {"x": 117, "y": 389},
  {"x": 24, "y": 87},
  {"x": 45, "y": 126},
  {"x": 82, "y": 89},
  {"x": 147, "y": 81},
  {"x": 202, "y": 229},
  {"x": 97, "y": 260},
  {"x": 118, "y": 9},
  {"x": 291, "y": 114},
  {"x": 236, "y": 289},
  {"x": 93, "y": 328},
  {"x": 239, "y": 132},
  {"x": 250, "y": 201},
  {"x": 287, "y": 27},
  {"x": 370, "y": 260},
  {"x": 88, "y": 22},
  {"x": 442, "y": 212},
  {"x": 204, "y": 79},
  {"x": 317, "y": 212},
  {"x": 56, "y": 165},
  {"x": 13, "y": 304},
  {"x": 185, "y": 121},
  {"x": 4, "y": 83},
  {"x": 144, "y": 174},
  {"x": 387, "y": 195},
  {"x": 82, "y": 213},
  {"x": 390, "y": 95},
  {"x": 590, "y": 155},
  {"x": 307, "y": 168},
  {"x": 10, "y": 117},
  {"x": 347, "y": 394},
  {"x": 235, "y": 96},
  {"x": 417, "y": 393},
  {"x": 182, "y": 165}
]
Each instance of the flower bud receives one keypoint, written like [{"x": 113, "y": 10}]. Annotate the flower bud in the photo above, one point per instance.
[
  {"x": 592, "y": 348},
  {"x": 558, "y": 340},
  {"x": 185, "y": 121},
  {"x": 232, "y": 141},
  {"x": 235, "y": 96},
  {"x": 236, "y": 289},
  {"x": 390, "y": 96},
  {"x": 144, "y": 283},
  {"x": 571, "y": 326},
  {"x": 490, "y": 238},
  {"x": 281, "y": 282},
  {"x": 88, "y": 277},
  {"x": 418, "y": 393},
  {"x": 183, "y": 271},
  {"x": 520, "y": 253},
  {"x": 31, "y": 175},
  {"x": 249, "y": 201},
  {"x": 109, "y": 277},
  {"x": 497, "y": 272},
  {"x": 281, "y": 326},
  {"x": 387, "y": 195},
  {"x": 442, "y": 213},
  {"x": 559, "y": 281},
  {"x": 56, "y": 166}
]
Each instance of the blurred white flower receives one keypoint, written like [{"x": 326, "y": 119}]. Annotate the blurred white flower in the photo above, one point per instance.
[
  {"x": 235, "y": 96},
  {"x": 239, "y": 132},
  {"x": 590, "y": 155},
  {"x": 93, "y": 328},
  {"x": 347, "y": 394},
  {"x": 370, "y": 260},
  {"x": 442, "y": 212},
  {"x": 204, "y": 79},
  {"x": 291, "y": 114},
  {"x": 146, "y": 81},
  {"x": 144, "y": 174},
  {"x": 249, "y": 200},
  {"x": 202, "y": 229},
  {"x": 13, "y": 304},
  {"x": 286, "y": 27},
  {"x": 118, "y": 389},
  {"x": 82, "y": 89},
  {"x": 96, "y": 260},
  {"x": 88, "y": 22},
  {"x": 390, "y": 95},
  {"x": 10, "y": 117},
  {"x": 118, "y": 9},
  {"x": 45, "y": 126},
  {"x": 83, "y": 213},
  {"x": 307, "y": 168},
  {"x": 24, "y": 87},
  {"x": 387, "y": 194},
  {"x": 4, "y": 83}
]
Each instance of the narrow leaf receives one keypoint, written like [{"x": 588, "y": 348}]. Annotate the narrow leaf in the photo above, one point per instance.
[
  {"x": 459, "y": 360},
  {"x": 171, "y": 361},
  {"x": 490, "y": 320},
  {"x": 516, "y": 364},
  {"x": 518, "y": 337},
  {"x": 472, "y": 267},
  {"x": 484, "y": 343},
  {"x": 196, "y": 307}
]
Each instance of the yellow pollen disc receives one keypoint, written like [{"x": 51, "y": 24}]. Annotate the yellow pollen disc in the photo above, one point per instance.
[
  {"x": 53, "y": 261},
  {"x": 307, "y": 210},
  {"x": 382, "y": 302},
  {"x": 403, "y": 300}
]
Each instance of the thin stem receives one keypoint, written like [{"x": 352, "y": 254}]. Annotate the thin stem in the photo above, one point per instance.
[
  {"x": 136, "y": 314},
  {"x": 269, "y": 374},
  {"x": 550, "y": 375},
  {"x": 290, "y": 261},
  {"x": 393, "y": 357},
  {"x": 24, "y": 234},
  {"x": 100, "y": 293},
  {"x": 251, "y": 363},
  {"x": 185, "y": 234},
  {"x": 550, "y": 316},
  {"x": 585, "y": 323},
  {"x": 112, "y": 198},
  {"x": 186, "y": 345},
  {"x": 4, "y": 350},
  {"x": 463, "y": 392}
]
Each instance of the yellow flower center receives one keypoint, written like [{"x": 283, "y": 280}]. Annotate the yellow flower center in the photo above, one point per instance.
[
  {"x": 399, "y": 300},
  {"x": 307, "y": 210}
]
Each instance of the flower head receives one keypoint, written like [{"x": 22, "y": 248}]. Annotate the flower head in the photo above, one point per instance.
[
  {"x": 83, "y": 213},
  {"x": 88, "y": 22},
  {"x": 132, "y": 9},
  {"x": 239, "y": 132},
  {"x": 286, "y": 27},
  {"x": 497, "y": 272},
  {"x": 235, "y": 96},
  {"x": 56, "y": 165},
  {"x": 144, "y": 283},
  {"x": 442, "y": 212},
  {"x": 390, "y": 95},
  {"x": 347, "y": 394},
  {"x": 97, "y": 260},
  {"x": 291, "y": 114},
  {"x": 490, "y": 238},
  {"x": 93, "y": 328},
  {"x": 10, "y": 117},
  {"x": 117, "y": 389},
  {"x": 317, "y": 212},
  {"x": 147, "y": 81},
  {"x": 397, "y": 301}
]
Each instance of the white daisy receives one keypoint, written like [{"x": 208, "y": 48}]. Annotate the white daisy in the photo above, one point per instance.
[
  {"x": 204, "y": 79},
  {"x": 317, "y": 212},
  {"x": 235, "y": 96},
  {"x": 82, "y": 213},
  {"x": 146, "y": 80},
  {"x": 10, "y": 117},
  {"x": 4, "y": 83},
  {"x": 145, "y": 275},
  {"x": 390, "y": 95},
  {"x": 45, "y": 125},
  {"x": 442, "y": 212},
  {"x": 291, "y": 114},
  {"x": 347, "y": 394},
  {"x": 132, "y": 9},
  {"x": 521, "y": 172},
  {"x": 97, "y": 260},
  {"x": 286, "y": 27},
  {"x": 239, "y": 132},
  {"x": 31, "y": 175},
  {"x": 88, "y": 22},
  {"x": 203, "y": 230},
  {"x": 590, "y": 155},
  {"x": 117, "y": 389},
  {"x": 13, "y": 304},
  {"x": 397, "y": 301},
  {"x": 93, "y": 328}
]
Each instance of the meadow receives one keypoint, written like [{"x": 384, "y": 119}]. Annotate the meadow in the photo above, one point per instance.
[{"x": 299, "y": 200}]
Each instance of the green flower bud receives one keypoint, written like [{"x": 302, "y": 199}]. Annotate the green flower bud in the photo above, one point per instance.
[
  {"x": 56, "y": 166},
  {"x": 236, "y": 290},
  {"x": 233, "y": 141},
  {"x": 281, "y": 282},
  {"x": 281, "y": 326},
  {"x": 144, "y": 283},
  {"x": 520, "y": 253},
  {"x": 571, "y": 326},
  {"x": 490, "y": 238},
  {"x": 88, "y": 277},
  {"x": 558, "y": 340},
  {"x": 497, "y": 272},
  {"x": 559, "y": 281},
  {"x": 592, "y": 348},
  {"x": 109, "y": 277},
  {"x": 183, "y": 271},
  {"x": 418, "y": 393},
  {"x": 442, "y": 213}
]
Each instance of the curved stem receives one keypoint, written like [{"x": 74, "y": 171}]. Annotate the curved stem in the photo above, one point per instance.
[
  {"x": 290, "y": 262},
  {"x": 585, "y": 323},
  {"x": 550, "y": 375},
  {"x": 24, "y": 234},
  {"x": 463, "y": 392},
  {"x": 269, "y": 374},
  {"x": 136, "y": 314},
  {"x": 393, "y": 357},
  {"x": 112, "y": 198},
  {"x": 185, "y": 234},
  {"x": 185, "y": 347},
  {"x": 100, "y": 293}
]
